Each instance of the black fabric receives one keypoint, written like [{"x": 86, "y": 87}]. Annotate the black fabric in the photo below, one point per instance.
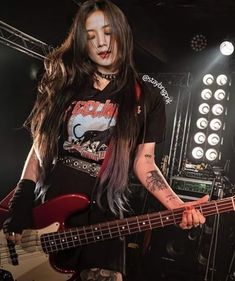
[
  {"x": 20, "y": 207},
  {"x": 86, "y": 134}
]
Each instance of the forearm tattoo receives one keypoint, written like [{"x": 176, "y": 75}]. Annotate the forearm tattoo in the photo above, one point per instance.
[
  {"x": 154, "y": 181},
  {"x": 170, "y": 198}
]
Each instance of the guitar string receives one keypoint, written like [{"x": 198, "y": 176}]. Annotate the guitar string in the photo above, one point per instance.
[
  {"x": 153, "y": 224},
  {"x": 135, "y": 223}
]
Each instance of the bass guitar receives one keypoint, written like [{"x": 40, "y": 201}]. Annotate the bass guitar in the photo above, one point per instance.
[{"x": 33, "y": 259}]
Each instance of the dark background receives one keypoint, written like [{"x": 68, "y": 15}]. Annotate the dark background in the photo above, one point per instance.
[{"x": 162, "y": 32}]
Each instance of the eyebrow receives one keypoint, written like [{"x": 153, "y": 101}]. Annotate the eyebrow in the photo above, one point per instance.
[{"x": 107, "y": 25}]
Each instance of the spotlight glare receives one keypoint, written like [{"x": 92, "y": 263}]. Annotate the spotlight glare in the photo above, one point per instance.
[
  {"x": 204, "y": 108},
  {"x": 222, "y": 79},
  {"x": 197, "y": 152},
  {"x": 213, "y": 139},
  {"x": 208, "y": 79},
  {"x": 215, "y": 124},
  {"x": 219, "y": 94},
  {"x": 217, "y": 109},
  {"x": 199, "y": 137},
  {"x": 206, "y": 94},
  {"x": 211, "y": 154},
  {"x": 202, "y": 123},
  {"x": 226, "y": 48}
]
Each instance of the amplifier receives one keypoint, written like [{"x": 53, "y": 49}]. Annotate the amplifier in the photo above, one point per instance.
[{"x": 191, "y": 189}]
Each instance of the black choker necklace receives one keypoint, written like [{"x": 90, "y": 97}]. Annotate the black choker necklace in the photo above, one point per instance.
[{"x": 109, "y": 77}]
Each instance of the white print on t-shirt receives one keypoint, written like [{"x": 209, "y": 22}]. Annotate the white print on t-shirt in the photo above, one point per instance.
[{"x": 89, "y": 128}]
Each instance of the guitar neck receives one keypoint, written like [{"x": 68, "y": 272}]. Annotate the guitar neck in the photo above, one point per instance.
[{"x": 74, "y": 237}]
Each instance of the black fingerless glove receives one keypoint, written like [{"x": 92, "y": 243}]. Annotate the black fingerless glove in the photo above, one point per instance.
[{"x": 20, "y": 208}]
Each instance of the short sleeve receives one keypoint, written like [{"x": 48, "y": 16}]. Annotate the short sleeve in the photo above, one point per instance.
[{"x": 153, "y": 117}]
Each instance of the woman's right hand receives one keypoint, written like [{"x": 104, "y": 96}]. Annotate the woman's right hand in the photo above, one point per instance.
[{"x": 14, "y": 237}]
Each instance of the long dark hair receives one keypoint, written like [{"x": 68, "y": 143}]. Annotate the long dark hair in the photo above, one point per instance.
[{"x": 69, "y": 64}]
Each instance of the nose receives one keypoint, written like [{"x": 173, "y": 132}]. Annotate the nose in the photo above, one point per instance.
[{"x": 101, "y": 39}]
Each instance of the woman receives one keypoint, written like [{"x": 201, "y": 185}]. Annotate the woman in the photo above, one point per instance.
[{"x": 92, "y": 122}]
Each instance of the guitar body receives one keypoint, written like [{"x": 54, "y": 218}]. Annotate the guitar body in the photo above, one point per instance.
[
  {"x": 34, "y": 264},
  {"x": 39, "y": 254}
]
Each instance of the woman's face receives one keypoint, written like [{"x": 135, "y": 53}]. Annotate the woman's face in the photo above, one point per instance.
[{"x": 99, "y": 44}]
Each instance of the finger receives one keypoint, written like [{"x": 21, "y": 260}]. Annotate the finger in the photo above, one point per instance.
[
  {"x": 196, "y": 217},
  {"x": 14, "y": 237},
  {"x": 202, "y": 200},
  {"x": 201, "y": 218},
  {"x": 184, "y": 222},
  {"x": 189, "y": 217}
]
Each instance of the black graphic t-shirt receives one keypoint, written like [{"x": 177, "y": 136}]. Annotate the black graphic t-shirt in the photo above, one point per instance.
[
  {"x": 90, "y": 121},
  {"x": 86, "y": 133}
]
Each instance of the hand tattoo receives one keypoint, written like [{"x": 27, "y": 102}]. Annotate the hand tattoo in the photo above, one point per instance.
[{"x": 154, "y": 181}]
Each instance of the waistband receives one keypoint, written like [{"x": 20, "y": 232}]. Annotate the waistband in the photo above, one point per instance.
[{"x": 81, "y": 165}]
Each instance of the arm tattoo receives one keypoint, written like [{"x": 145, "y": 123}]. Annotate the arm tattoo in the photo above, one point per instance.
[
  {"x": 170, "y": 198},
  {"x": 154, "y": 181},
  {"x": 148, "y": 156}
]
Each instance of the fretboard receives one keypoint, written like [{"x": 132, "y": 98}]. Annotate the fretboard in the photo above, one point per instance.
[{"x": 74, "y": 237}]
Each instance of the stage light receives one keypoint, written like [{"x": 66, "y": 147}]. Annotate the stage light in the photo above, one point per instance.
[
  {"x": 217, "y": 109},
  {"x": 226, "y": 48},
  {"x": 222, "y": 80},
  {"x": 206, "y": 94},
  {"x": 213, "y": 139},
  {"x": 211, "y": 154},
  {"x": 215, "y": 124},
  {"x": 199, "y": 137},
  {"x": 197, "y": 152},
  {"x": 208, "y": 79},
  {"x": 219, "y": 94},
  {"x": 198, "y": 42},
  {"x": 204, "y": 108},
  {"x": 202, "y": 123}
]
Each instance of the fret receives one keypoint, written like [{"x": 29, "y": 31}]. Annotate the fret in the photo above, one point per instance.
[
  {"x": 167, "y": 219},
  {"x": 76, "y": 237},
  {"x": 216, "y": 207},
  {"x": 105, "y": 231},
  {"x": 101, "y": 233},
  {"x": 83, "y": 235},
  {"x": 124, "y": 230},
  {"x": 89, "y": 234},
  {"x": 97, "y": 233},
  {"x": 44, "y": 243},
  {"x": 119, "y": 232},
  {"x": 150, "y": 225},
  {"x": 143, "y": 223},
  {"x": 71, "y": 238},
  {"x": 173, "y": 215},
  {"x": 128, "y": 226},
  {"x": 137, "y": 220},
  {"x": 232, "y": 199},
  {"x": 53, "y": 243},
  {"x": 109, "y": 230},
  {"x": 161, "y": 218},
  {"x": 62, "y": 241}
]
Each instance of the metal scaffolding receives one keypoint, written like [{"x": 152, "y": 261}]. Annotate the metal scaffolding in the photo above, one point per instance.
[{"x": 23, "y": 42}]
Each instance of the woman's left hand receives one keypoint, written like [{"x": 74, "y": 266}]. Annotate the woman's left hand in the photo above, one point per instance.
[{"x": 191, "y": 216}]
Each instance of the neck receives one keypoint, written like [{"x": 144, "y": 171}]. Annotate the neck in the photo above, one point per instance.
[{"x": 107, "y": 76}]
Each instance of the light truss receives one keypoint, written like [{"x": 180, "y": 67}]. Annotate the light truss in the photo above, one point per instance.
[{"x": 23, "y": 42}]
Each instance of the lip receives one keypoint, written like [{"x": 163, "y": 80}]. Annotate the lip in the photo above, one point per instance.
[{"x": 104, "y": 55}]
